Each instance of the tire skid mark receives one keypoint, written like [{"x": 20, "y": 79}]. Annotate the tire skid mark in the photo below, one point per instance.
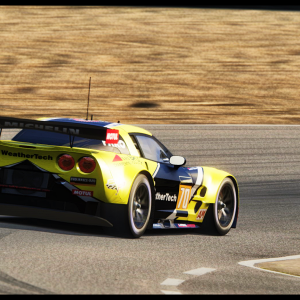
[
  {"x": 3, "y": 235},
  {"x": 20, "y": 284},
  {"x": 10, "y": 285}
]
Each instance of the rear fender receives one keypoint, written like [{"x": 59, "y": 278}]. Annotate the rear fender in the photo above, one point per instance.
[{"x": 123, "y": 169}]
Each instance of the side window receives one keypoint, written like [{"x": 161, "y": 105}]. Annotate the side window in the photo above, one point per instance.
[
  {"x": 151, "y": 149},
  {"x": 136, "y": 145}
]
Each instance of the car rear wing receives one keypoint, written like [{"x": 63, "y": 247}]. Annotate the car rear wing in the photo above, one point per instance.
[{"x": 111, "y": 136}]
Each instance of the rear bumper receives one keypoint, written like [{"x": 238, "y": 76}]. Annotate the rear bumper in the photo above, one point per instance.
[
  {"x": 29, "y": 191},
  {"x": 52, "y": 214}
]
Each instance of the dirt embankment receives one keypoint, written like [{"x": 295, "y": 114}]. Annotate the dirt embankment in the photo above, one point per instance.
[{"x": 151, "y": 65}]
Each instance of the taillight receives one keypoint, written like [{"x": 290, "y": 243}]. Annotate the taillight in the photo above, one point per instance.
[
  {"x": 66, "y": 162},
  {"x": 87, "y": 164}
]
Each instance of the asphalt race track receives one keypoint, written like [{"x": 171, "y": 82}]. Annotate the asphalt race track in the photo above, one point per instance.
[{"x": 43, "y": 257}]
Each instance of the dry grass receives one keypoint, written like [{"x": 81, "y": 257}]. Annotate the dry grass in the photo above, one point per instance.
[
  {"x": 151, "y": 65},
  {"x": 290, "y": 267}
]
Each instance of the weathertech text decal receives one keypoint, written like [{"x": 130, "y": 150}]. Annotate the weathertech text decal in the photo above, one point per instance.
[{"x": 20, "y": 154}]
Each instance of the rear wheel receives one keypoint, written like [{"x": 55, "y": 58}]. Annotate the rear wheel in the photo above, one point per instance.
[{"x": 139, "y": 205}]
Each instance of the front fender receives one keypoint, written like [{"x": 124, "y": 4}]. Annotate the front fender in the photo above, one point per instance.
[{"x": 211, "y": 181}]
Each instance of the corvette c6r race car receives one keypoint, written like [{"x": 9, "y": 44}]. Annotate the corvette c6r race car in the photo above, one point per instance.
[{"x": 109, "y": 174}]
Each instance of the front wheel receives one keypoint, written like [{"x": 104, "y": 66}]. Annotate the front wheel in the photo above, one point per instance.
[
  {"x": 220, "y": 215},
  {"x": 139, "y": 205},
  {"x": 225, "y": 207}
]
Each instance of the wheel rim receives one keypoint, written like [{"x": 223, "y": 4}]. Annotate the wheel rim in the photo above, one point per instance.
[
  {"x": 226, "y": 205},
  {"x": 140, "y": 206}
]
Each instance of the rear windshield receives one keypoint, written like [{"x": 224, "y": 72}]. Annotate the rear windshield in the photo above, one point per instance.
[{"x": 60, "y": 139}]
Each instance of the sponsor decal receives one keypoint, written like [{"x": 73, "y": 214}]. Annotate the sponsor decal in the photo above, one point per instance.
[
  {"x": 21, "y": 154},
  {"x": 186, "y": 225},
  {"x": 119, "y": 145},
  {"x": 83, "y": 181},
  {"x": 201, "y": 214},
  {"x": 112, "y": 136},
  {"x": 165, "y": 197},
  {"x": 82, "y": 193},
  {"x": 117, "y": 158},
  {"x": 60, "y": 129},
  {"x": 176, "y": 225},
  {"x": 111, "y": 184},
  {"x": 183, "y": 196},
  {"x": 127, "y": 160}
]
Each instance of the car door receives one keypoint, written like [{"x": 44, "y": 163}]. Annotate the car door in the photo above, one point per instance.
[{"x": 173, "y": 184}]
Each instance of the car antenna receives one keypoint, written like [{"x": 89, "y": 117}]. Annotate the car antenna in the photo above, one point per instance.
[{"x": 87, "y": 109}]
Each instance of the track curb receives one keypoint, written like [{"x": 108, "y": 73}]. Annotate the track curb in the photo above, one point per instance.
[{"x": 288, "y": 265}]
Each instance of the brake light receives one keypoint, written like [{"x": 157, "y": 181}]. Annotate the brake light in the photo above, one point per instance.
[
  {"x": 66, "y": 162},
  {"x": 87, "y": 164}
]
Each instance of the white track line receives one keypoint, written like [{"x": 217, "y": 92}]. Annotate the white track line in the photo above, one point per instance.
[
  {"x": 200, "y": 271},
  {"x": 171, "y": 292},
  {"x": 174, "y": 282},
  {"x": 251, "y": 263}
]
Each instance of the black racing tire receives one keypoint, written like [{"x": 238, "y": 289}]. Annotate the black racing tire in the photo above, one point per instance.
[
  {"x": 139, "y": 206},
  {"x": 220, "y": 215},
  {"x": 132, "y": 219},
  {"x": 225, "y": 206}
]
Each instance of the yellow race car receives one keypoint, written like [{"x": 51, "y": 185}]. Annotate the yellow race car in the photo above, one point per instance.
[{"x": 109, "y": 174}]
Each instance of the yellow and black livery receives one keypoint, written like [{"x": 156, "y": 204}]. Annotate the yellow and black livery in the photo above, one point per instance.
[{"x": 108, "y": 174}]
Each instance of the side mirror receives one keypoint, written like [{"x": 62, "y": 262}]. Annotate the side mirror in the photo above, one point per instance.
[{"x": 177, "y": 161}]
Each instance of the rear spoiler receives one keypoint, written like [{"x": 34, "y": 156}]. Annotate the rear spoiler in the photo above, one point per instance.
[{"x": 111, "y": 136}]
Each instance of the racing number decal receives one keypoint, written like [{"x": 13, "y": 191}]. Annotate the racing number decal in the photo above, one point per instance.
[{"x": 183, "y": 196}]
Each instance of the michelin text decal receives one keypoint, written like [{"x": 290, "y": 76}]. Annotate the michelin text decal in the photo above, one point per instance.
[{"x": 74, "y": 131}]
